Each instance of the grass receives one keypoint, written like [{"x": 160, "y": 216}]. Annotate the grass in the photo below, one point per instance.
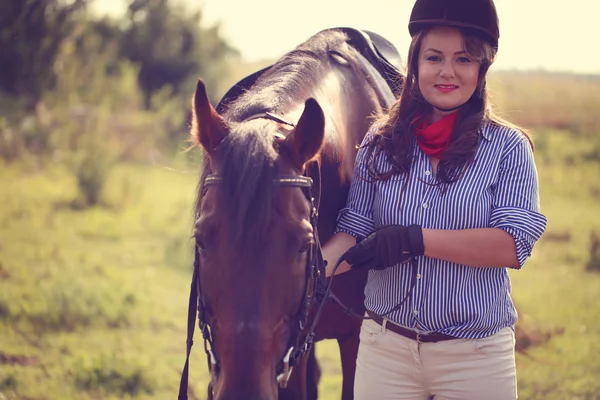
[
  {"x": 93, "y": 303},
  {"x": 554, "y": 290},
  {"x": 93, "y": 300}
]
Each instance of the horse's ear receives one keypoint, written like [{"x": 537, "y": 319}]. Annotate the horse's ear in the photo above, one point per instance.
[
  {"x": 208, "y": 127},
  {"x": 305, "y": 141}
]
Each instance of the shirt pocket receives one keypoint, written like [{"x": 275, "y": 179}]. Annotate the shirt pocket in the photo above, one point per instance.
[
  {"x": 387, "y": 209},
  {"x": 464, "y": 206}
]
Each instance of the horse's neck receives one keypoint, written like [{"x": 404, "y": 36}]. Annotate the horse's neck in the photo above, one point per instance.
[
  {"x": 346, "y": 110},
  {"x": 343, "y": 132}
]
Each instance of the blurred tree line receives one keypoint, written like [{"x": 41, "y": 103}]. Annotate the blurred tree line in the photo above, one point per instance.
[
  {"x": 91, "y": 90},
  {"x": 164, "y": 39}
]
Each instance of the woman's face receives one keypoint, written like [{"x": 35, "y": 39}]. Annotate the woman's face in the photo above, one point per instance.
[{"x": 447, "y": 74}]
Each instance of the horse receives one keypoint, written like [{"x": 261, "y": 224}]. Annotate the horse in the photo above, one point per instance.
[{"x": 279, "y": 152}]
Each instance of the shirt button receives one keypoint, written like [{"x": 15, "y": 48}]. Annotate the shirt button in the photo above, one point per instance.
[
  {"x": 427, "y": 173},
  {"x": 424, "y": 205},
  {"x": 418, "y": 276},
  {"x": 415, "y": 311}
]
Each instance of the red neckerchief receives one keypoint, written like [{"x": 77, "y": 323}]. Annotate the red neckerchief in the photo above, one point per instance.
[{"x": 434, "y": 139}]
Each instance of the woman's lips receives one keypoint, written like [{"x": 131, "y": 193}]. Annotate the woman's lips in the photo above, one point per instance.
[{"x": 446, "y": 88}]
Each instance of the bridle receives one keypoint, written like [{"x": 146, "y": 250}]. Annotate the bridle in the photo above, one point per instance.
[
  {"x": 316, "y": 288},
  {"x": 299, "y": 344}
]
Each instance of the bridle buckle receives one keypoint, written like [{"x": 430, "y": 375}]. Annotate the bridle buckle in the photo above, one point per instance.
[{"x": 286, "y": 372}]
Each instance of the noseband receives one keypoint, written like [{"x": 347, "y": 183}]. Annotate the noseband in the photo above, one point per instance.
[{"x": 314, "y": 284}]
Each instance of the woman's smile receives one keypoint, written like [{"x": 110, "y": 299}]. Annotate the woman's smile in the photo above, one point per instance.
[{"x": 446, "y": 88}]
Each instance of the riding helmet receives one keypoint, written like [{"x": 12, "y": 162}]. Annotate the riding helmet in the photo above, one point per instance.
[{"x": 477, "y": 15}]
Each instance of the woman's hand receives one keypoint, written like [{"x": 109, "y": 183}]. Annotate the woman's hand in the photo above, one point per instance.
[
  {"x": 387, "y": 246},
  {"x": 334, "y": 249}
]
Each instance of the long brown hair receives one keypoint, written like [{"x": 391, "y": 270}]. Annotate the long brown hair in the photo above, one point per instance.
[{"x": 395, "y": 137}]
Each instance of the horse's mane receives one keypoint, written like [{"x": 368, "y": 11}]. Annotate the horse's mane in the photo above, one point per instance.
[{"x": 246, "y": 158}]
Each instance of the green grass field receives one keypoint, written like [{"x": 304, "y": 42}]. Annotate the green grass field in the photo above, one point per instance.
[{"x": 93, "y": 302}]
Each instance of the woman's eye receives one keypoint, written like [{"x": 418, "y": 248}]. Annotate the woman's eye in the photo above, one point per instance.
[{"x": 434, "y": 58}]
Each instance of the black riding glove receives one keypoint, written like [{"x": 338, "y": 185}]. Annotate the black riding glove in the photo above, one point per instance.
[{"x": 387, "y": 246}]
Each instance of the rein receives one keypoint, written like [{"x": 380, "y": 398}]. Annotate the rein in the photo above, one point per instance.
[{"x": 328, "y": 295}]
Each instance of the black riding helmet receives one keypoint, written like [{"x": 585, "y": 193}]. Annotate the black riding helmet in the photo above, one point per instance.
[{"x": 477, "y": 15}]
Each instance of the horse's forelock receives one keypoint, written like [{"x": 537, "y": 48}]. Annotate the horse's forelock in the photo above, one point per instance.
[{"x": 246, "y": 163}]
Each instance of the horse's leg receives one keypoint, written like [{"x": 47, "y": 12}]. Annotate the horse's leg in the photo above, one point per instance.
[
  {"x": 336, "y": 324},
  {"x": 348, "y": 353},
  {"x": 313, "y": 375}
]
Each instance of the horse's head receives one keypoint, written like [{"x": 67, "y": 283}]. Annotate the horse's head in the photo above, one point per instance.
[{"x": 255, "y": 236}]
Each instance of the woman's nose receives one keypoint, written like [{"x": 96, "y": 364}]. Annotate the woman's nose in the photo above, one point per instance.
[{"x": 447, "y": 70}]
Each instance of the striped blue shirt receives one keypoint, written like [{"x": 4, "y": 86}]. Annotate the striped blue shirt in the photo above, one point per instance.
[{"x": 499, "y": 189}]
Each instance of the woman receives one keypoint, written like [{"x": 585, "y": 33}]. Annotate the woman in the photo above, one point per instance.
[{"x": 446, "y": 195}]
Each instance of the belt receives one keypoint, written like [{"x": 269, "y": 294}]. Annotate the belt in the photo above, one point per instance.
[{"x": 419, "y": 337}]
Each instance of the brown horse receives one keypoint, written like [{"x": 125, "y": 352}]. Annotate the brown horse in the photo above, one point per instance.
[{"x": 279, "y": 151}]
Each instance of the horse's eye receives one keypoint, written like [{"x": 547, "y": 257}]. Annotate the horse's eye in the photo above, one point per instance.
[
  {"x": 303, "y": 249},
  {"x": 200, "y": 245}
]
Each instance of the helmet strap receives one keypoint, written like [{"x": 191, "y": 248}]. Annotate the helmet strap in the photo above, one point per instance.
[{"x": 446, "y": 109}]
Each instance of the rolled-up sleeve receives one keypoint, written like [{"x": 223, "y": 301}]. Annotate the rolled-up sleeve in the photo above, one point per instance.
[
  {"x": 516, "y": 207},
  {"x": 356, "y": 218}
]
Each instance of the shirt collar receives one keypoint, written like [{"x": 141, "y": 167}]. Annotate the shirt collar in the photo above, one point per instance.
[{"x": 485, "y": 131}]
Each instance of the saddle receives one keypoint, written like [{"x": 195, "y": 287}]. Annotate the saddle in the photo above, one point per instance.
[{"x": 381, "y": 53}]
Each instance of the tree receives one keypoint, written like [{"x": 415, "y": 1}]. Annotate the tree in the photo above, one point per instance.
[
  {"x": 171, "y": 47},
  {"x": 31, "y": 33}
]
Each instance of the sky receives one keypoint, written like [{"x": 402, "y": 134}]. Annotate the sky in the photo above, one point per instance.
[{"x": 554, "y": 35}]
